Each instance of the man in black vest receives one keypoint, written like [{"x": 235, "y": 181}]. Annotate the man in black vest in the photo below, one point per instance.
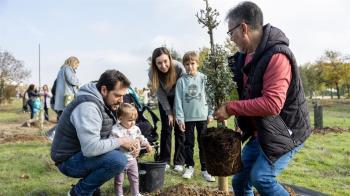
[
  {"x": 271, "y": 111},
  {"x": 82, "y": 147}
]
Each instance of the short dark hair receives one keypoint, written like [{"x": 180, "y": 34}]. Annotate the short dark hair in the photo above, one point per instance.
[
  {"x": 110, "y": 78},
  {"x": 249, "y": 13}
]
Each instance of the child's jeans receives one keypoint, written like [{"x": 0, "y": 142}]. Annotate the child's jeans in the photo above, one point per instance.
[
  {"x": 259, "y": 172},
  {"x": 131, "y": 170}
]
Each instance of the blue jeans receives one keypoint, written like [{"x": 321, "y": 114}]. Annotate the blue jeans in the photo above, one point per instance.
[
  {"x": 259, "y": 172},
  {"x": 94, "y": 171}
]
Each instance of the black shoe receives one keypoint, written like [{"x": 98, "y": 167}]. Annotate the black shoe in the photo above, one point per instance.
[
  {"x": 72, "y": 192},
  {"x": 97, "y": 192}
]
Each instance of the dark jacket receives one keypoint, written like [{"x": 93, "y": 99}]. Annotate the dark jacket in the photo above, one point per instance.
[{"x": 273, "y": 134}]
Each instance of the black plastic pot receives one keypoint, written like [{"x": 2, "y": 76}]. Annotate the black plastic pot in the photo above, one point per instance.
[{"x": 151, "y": 176}]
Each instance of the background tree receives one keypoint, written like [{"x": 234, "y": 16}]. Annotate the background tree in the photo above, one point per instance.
[
  {"x": 12, "y": 72},
  {"x": 219, "y": 76},
  {"x": 345, "y": 79},
  {"x": 312, "y": 83},
  {"x": 332, "y": 69}
]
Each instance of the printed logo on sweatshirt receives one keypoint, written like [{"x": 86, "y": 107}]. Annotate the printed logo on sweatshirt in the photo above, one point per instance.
[{"x": 192, "y": 93}]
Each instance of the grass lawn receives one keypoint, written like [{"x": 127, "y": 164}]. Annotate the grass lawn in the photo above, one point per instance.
[{"x": 323, "y": 164}]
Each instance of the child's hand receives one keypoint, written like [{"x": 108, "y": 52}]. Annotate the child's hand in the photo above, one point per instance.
[
  {"x": 182, "y": 127},
  {"x": 149, "y": 149}
]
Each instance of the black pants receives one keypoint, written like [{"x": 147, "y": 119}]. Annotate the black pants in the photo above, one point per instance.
[
  {"x": 201, "y": 127},
  {"x": 59, "y": 113},
  {"x": 165, "y": 139},
  {"x": 31, "y": 106},
  {"x": 46, "y": 113}
]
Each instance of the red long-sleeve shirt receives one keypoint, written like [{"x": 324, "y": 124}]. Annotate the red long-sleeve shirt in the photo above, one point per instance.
[{"x": 276, "y": 81}]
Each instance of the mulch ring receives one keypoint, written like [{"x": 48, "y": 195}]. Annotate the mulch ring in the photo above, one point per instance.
[
  {"x": 22, "y": 138},
  {"x": 330, "y": 130},
  {"x": 185, "y": 190}
]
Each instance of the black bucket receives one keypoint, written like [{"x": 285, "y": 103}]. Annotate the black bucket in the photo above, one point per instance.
[{"x": 151, "y": 176}]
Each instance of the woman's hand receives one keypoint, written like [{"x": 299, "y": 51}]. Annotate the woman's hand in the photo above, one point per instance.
[{"x": 171, "y": 120}]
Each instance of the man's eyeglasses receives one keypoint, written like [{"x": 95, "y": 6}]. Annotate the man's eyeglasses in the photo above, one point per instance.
[{"x": 229, "y": 33}]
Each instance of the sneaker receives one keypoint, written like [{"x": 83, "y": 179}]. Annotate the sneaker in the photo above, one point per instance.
[
  {"x": 179, "y": 168},
  {"x": 188, "y": 172},
  {"x": 167, "y": 166},
  {"x": 71, "y": 192},
  {"x": 208, "y": 177}
]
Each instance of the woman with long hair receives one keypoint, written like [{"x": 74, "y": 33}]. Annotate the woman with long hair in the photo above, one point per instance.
[
  {"x": 66, "y": 85},
  {"x": 163, "y": 75}
]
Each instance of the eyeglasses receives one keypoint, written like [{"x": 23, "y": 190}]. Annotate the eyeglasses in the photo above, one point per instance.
[{"x": 229, "y": 33}]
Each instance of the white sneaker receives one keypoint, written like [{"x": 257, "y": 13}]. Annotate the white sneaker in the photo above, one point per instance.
[
  {"x": 179, "y": 168},
  {"x": 188, "y": 172},
  {"x": 208, "y": 177},
  {"x": 167, "y": 166}
]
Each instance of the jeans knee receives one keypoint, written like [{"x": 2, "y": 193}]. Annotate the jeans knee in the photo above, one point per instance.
[
  {"x": 117, "y": 162},
  {"x": 259, "y": 180}
]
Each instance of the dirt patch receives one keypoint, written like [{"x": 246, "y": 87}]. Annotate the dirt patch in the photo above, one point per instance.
[
  {"x": 13, "y": 132},
  {"x": 185, "y": 190},
  {"x": 330, "y": 130},
  {"x": 23, "y": 138},
  {"x": 222, "y": 149}
]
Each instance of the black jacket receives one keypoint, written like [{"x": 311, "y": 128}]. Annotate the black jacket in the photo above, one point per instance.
[{"x": 273, "y": 134}]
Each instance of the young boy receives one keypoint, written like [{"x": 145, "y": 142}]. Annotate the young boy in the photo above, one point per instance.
[{"x": 192, "y": 111}]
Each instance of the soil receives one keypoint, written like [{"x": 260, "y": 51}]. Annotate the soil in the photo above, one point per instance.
[
  {"x": 222, "y": 148},
  {"x": 185, "y": 190},
  {"x": 330, "y": 130},
  {"x": 16, "y": 132}
]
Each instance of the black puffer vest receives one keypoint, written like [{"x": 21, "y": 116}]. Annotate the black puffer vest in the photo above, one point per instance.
[
  {"x": 66, "y": 142},
  {"x": 273, "y": 134}
]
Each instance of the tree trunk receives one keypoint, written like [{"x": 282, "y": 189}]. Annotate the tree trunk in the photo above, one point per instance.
[
  {"x": 310, "y": 94},
  {"x": 331, "y": 93},
  {"x": 338, "y": 91}
]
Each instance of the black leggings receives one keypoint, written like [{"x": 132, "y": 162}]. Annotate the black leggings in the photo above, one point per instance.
[{"x": 165, "y": 139}]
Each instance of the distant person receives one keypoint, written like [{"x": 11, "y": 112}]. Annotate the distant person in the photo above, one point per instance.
[
  {"x": 67, "y": 84},
  {"x": 82, "y": 146},
  {"x": 145, "y": 95},
  {"x": 192, "y": 111},
  {"x": 127, "y": 115},
  {"x": 163, "y": 74},
  {"x": 272, "y": 109},
  {"x": 47, "y": 96},
  {"x": 32, "y": 93},
  {"x": 25, "y": 106}
]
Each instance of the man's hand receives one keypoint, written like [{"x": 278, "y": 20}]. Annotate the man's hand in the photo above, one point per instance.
[
  {"x": 127, "y": 143},
  {"x": 171, "y": 120},
  {"x": 221, "y": 114}
]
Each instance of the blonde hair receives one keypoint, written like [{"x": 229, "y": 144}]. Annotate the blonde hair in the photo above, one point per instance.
[
  {"x": 127, "y": 110},
  {"x": 190, "y": 56},
  {"x": 170, "y": 76},
  {"x": 71, "y": 61}
]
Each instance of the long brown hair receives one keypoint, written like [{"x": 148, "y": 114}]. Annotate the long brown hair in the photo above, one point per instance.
[{"x": 155, "y": 73}]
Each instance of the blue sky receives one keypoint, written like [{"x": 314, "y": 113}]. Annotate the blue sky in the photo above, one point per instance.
[{"x": 122, "y": 34}]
